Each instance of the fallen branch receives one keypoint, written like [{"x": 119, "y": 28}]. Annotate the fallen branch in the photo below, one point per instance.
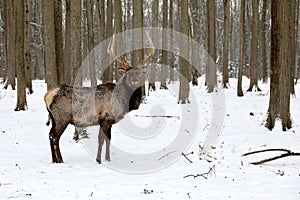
[
  {"x": 158, "y": 116},
  {"x": 185, "y": 155},
  {"x": 204, "y": 175},
  {"x": 286, "y": 154}
]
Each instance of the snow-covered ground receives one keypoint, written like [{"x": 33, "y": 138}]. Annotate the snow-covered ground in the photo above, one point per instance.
[{"x": 26, "y": 171}]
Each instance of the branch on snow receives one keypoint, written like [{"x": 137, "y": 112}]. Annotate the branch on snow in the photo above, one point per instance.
[
  {"x": 204, "y": 175},
  {"x": 285, "y": 153}
]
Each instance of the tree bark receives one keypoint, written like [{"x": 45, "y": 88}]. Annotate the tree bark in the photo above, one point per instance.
[
  {"x": 10, "y": 43},
  {"x": 242, "y": 49},
  {"x": 211, "y": 44},
  {"x": 171, "y": 39},
  {"x": 91, "y": 55},
  {"x": 58, "y": 20},
  {"x": 254, "y": 47},
  {"x": 152, "y": 78},
  {"x": 292, "y": 42},
  {"x": 27, "y": 39},
  {"x": 279, "y": 103},
  {"x": 75, "y": 42},
  {"x": 164, "y": 66},
  {"x": 50, "y": 51},
  {"x": 118, "y": 29},
  {"x": 183, "y": 64},
  {"x": 226, "y": 41},
  {"x": 67, "y": 49},
  {"x": 264, "y": 64},
  {"x": 138, "y": 17},
  {"x": 21, "y": 79}
]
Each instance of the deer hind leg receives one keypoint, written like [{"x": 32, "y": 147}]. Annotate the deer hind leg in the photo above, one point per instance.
[
  {"x": 104, "y": 134},
  {"x": 54, "y": 136}
]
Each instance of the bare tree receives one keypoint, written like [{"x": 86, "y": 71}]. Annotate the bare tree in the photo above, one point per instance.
[
  {"x": 263, "y": 33},
  {"x": 242, "y": 49},
  {"x": 183, "y": 64},
  {"x": 292, "y": 42},
  {"x": 10, "y": 27},
  {"x": 152, "y": 78},
  {"x": 279, "y": 104},
  {"x": 254, "y": 47},
  {"x": 211, "y": 46},
  {"x": 91, "y": 57},
  {"x": 27, "y": 40},
  {"x": 226, "y": 41},
  {"x": 75, "y": 42},
  {"x": 164, "y": 66},
  {"x": 50, "y": 51},
  {"x": 67, "y": 49},
  {"x": 118, "y": 28},
  {"x": 58, "y": 20},
  {"x": 108, "y": 73},
  {"x": 21, "y": 79}
]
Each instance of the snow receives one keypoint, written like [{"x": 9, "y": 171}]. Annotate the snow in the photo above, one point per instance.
[{"x": 26, "y": 170}]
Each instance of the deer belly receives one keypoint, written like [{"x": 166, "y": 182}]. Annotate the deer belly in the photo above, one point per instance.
[{"x": 83, "y": 117}]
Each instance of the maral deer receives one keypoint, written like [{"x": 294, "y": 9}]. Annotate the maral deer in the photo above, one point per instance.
[{"x": 104, "y": 104}]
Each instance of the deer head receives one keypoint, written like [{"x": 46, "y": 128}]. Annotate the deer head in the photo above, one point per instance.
[{"x": 131, "y": 74}]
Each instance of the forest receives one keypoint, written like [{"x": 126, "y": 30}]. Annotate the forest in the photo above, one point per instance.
[
  {"x": 229, "y": 69},
  {"x": 51, "y": 40}
]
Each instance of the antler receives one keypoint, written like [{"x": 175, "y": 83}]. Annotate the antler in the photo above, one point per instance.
[
  {"x": 110, "y": 51},
  {"x": 151, "y": 53}
]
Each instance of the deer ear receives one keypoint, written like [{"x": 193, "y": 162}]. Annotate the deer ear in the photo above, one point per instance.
[{"x": 121, "y": 71}]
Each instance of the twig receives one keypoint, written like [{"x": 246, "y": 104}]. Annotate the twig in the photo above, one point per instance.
[
  {"x": 158, "y": 116},
  {"x": 167, "y": 155},
  {"x": 185, "y": 155},
  {"x": 204, "y": 175},
  {"x": 286, "y": 154}
]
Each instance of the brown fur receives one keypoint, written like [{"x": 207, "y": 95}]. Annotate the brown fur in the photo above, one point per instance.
[{"x": 104, "y": 105}]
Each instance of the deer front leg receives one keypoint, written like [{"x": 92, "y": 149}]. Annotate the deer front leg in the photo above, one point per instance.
[
  {"x": 100, "y": 144},
  {"x": 107, "y": 142}
]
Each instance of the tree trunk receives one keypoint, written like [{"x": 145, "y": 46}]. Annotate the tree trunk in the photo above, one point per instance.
[
  {"x": 279, "y": 104},
  {"x": 195, "y": 23},
  {"x": 292, "y": 42},
  {"x": 226, "y": 41},
  {"x": 138, "y": 17},
  {"x": 67, "y": 50},
  {"x": 75, "y": 42},
  {"x": 264, "y": 64},
  {"x": 10, "y": 44},
  {"x": 242, "y": 49},
  {"x": 27, "y": 40},
  {"x": 49, "y": 38},
  {"x": 118, "y": 29},
  {"x": 58, "y": 20},
  {"x": 109, "y": 33},
  {"x": 164, "y": 66},
  {"x": 91, "y": 56},
  {"x": 102, "y": 33},
  {"x": 254, "y": 47},
  {"x": 211, "y": 65},
  {"x": 171, "y": 39},
  {"x": 21, "y": 79},
  {"x": 152, "y": 78},
  {"x": 184, "y": 88}
]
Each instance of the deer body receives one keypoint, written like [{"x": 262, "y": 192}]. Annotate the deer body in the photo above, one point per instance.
[{"x": 104, "y": 105}]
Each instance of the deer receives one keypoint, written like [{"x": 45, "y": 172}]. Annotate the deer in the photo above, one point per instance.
[{"x": 105, "y": 104}]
